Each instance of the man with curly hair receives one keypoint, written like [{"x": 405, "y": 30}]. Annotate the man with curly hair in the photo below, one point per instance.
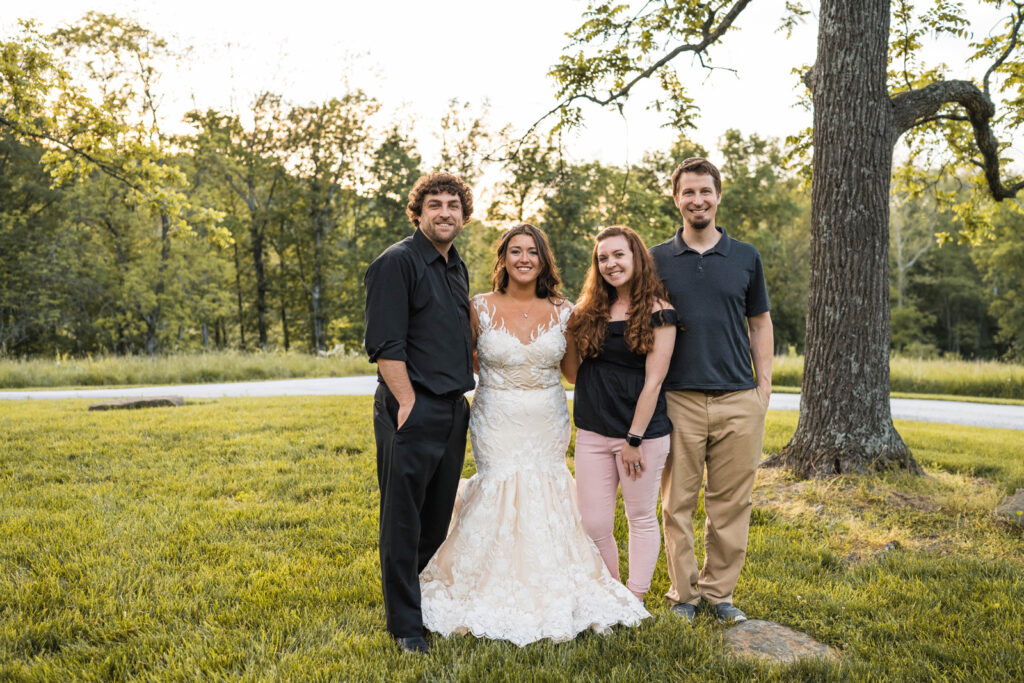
[
  {"x": 418, "y": 332},
  {"x": 715, "y": 401}
]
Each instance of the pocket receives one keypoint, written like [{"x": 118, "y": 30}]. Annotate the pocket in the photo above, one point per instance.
[
  {"x": 761, "y": 398},
  {"x": 417, "y": 407}
]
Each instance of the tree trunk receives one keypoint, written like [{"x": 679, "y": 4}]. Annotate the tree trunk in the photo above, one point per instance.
[
  {"x": 284, "y": 306},
  {"x": 153, "y": 318},
  {"x": 317, "y": 294},
  {"x": 238, "y": 295},
  {"x": 901, "y": 264},
  {"x": 845, "y": 422},
  {"x": 256, "y": 233}
]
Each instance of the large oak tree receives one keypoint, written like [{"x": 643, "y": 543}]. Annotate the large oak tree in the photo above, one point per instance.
[{"x": 868, "y": 90}]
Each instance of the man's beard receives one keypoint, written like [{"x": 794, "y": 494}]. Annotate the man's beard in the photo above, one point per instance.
[{"x": 700, "y": 223}]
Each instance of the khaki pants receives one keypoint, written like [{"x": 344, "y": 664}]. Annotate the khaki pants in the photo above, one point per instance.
[{"x": 725, "y": 433}]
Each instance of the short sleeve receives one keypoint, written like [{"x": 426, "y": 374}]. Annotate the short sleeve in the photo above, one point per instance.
[
  {"x": 665, "y": 317},
  {"x": 387, "y": 281},
  {"x": 757, "y": 292}
]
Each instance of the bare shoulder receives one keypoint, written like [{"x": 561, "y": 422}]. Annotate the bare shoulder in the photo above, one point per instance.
[
  {"x": 561, "y": 303},
  {"x": 483, "y": 297},
  {"x": 563, "y": 306},
  {"x": 661, "y": 305}
]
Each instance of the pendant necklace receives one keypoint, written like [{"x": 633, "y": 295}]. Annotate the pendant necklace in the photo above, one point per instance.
[{"x": 526, "y": 313}]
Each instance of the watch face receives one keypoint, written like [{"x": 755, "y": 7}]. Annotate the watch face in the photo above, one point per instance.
[{"x": 634, "y": 440}]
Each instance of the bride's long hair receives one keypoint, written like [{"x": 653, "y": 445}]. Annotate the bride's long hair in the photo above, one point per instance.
[
  {"x": 589, "y": 321},
  {"x": 548, "y": 282}
]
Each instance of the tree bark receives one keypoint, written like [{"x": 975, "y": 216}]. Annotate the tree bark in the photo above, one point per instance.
[
  {"x": 281, "y": 297},
  {"x": 256, "y": 233},
  {"x": 845, "y": 421},
  {"x": 316, "y": 300},
  {"x": 238, "y": 297},
  {"x": 152, "y": 319}
]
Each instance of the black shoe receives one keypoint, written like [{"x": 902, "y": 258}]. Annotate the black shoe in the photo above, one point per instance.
[
  {"x": 728, "y": 613},
  {"x": 684, "y": 611},
  {"x": 414, "y": 644}
]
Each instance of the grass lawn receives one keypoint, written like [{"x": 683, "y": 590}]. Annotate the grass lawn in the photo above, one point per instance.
[
  {"x": 185, "y": 368},
  {"x": 917, "y": 376},
  {"x": 235, "y": 539},
  {"x": 909, "y": 377}
]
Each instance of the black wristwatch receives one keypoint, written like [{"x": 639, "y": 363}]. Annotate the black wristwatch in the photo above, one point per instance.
[{"x": 634, "y": 440}]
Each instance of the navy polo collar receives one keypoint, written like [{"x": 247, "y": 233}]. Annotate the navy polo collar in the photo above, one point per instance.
[
  {"x": 722, "y": 247},
  {"x": 429, "y": 253}
]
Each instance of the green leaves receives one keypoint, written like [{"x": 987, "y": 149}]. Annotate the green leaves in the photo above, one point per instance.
[
  {"x": 619, "y": 47},
  {"x": 45, "y": 96}
]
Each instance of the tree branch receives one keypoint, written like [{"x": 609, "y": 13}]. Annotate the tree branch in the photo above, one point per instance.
[
  {"x": 1014, "y": 33},
  {"x": 915, "y": 107},
  {"x": 940, "y": 117},
  {"x": 709, "y": 36},
  {"x": 103, "y": 166}
]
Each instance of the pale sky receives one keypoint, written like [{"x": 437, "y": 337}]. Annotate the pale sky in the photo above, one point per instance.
[{"x": 415, "y": 56}]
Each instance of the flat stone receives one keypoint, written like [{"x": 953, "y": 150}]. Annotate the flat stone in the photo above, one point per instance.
[
  {"x": 774, "y": 642},
  {"x": 140, "y": 402},
  {"x": 1011, "y": 508}
]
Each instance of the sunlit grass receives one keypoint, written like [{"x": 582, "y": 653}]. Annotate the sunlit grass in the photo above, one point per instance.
[
  {"x": 990, "y": 379},
  {"x": 236, "y": 539},
  {"x": 198, "y": 368},
  {"x": 910, "y": 377}
]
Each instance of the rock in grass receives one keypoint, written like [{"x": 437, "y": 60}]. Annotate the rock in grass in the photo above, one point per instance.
[
  {"x": 141, "y": 402},
  {"x": 774, "y": 642},
  {"x": 1011, "y": 508}
]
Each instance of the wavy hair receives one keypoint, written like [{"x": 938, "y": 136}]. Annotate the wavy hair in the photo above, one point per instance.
[
  {"x": 548, "y": 281},
  {"x": 438, "y": 183},
  {"x": 589, "y": 322}
]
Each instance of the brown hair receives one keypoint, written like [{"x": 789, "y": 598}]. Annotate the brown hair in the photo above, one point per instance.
[
  {"x": 438, "y": 183},
  {"x": 547, "y": 282},
  {"x": 589, "y": 321},
  {"x": 697, "y": 166}
]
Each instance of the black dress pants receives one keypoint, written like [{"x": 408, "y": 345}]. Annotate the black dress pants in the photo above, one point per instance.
[{"x": 418, "y": 469}]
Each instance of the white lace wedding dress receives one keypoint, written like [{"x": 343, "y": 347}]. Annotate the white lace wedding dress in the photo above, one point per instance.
[{"x": 517, "y": 564}]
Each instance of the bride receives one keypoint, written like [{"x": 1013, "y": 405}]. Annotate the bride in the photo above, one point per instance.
[{"x": 517, "y": 564}]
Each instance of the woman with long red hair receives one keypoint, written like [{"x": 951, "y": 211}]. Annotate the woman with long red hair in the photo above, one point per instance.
[{"x": 624, "y": 330}]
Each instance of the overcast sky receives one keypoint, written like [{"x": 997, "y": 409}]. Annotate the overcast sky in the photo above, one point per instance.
[{"x": 415, "y": 56}]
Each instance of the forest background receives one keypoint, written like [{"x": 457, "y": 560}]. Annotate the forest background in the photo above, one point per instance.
[{"x": 252, "y": 228}]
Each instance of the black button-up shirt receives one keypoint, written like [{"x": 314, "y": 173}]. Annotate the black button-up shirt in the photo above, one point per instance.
[
  {"x": 714, "y": 294},
  {"x": 417, "y": 311}
]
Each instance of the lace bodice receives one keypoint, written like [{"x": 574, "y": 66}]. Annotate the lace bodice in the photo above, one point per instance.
[{"x": 508, "y": 363}]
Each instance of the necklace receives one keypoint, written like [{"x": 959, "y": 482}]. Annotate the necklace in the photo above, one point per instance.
[{"x": 526, "y": 312}]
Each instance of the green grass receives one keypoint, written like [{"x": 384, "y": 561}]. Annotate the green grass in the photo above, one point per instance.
[
  {"x": 927, "y": 397},
  {"x": 910, "y": 378},
  {"x": 990, "y": 379},
  {"x": 994, "y": 454},
  {"x": 235, "y": 539},
  {"x": 219, "y": 366}
]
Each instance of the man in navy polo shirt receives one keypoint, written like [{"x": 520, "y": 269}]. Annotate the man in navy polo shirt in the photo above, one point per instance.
[{"x": 716, "y": 401}]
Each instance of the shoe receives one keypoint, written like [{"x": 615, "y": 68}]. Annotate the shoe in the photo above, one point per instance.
[
  {"x": 729, "y": 613},
  {"x": 414, "y": 644},
  {"x": 684, "y": 610}
]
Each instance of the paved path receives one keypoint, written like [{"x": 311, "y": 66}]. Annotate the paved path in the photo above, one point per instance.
[{"x": 949, "y": 412}]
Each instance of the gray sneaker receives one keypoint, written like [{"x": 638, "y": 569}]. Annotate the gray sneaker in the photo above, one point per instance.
[
  {"x": 729, "y": 613},
  {"x": 684, "y": 610}
]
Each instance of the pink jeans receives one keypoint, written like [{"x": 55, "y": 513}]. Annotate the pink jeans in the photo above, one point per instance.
[{"x": 599, "y": 473}]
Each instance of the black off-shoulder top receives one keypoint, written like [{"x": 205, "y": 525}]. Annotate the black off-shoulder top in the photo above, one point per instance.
[{"x": 609, "y": 384}]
